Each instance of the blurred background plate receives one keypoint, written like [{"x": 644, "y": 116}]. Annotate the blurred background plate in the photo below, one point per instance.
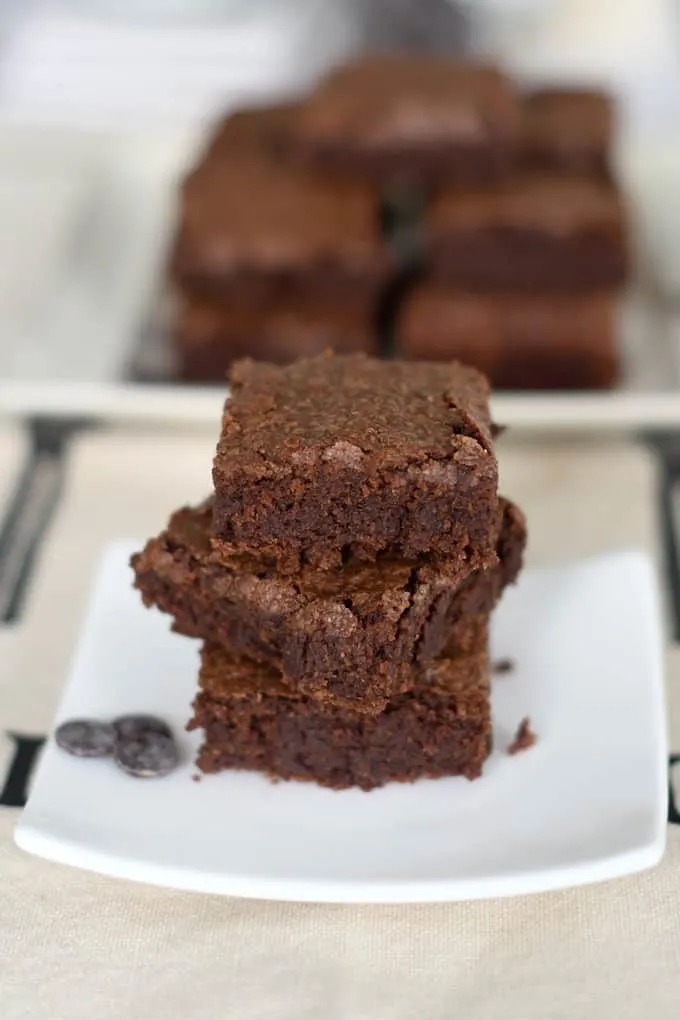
[{"x": 86, "y": 238}]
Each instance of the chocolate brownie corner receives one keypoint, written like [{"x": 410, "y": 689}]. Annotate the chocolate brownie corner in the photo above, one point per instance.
[{"x": 251, "y": 129}]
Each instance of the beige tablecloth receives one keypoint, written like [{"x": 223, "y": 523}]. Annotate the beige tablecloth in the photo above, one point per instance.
[{"x": 74, "y": 946}]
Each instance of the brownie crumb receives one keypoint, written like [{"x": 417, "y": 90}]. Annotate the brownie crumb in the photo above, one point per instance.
[
  {"x": 504, "y": 666},
  {"x": 196, "y": 777},
  {"x": 524, "y": 737},
  {"x": 497, "y": 430}
]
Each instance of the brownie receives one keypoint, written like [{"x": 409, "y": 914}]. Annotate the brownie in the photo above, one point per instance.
[
  {"x": 534, "y": 233},
  {"x": 352, "y": 634},
  {"x": 568, "y": 131},
  {"x": 208, "y": 338},
  {"x": 523, "y": 341},
  {"x": 397, "y": 119},
  {"x": 441, "y": 727},
  {"x": 259, "y": 128},
  {"x": 334, "y": 457},
  {"x": 252, "y": 232}
]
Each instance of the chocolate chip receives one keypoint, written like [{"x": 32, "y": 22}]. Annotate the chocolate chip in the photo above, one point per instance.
[
  {"x": 504, "y": 665},
  {"x": 128, "y": 726},
  {"x": 86, "y": 738},
  {"x": 147, "y": 755}
]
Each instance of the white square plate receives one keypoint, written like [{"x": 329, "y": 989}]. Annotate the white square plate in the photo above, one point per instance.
[{"x": 587, "y": 803}]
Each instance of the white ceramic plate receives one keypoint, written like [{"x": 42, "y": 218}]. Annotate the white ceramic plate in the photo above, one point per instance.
[{"x": 587, "y": 803}]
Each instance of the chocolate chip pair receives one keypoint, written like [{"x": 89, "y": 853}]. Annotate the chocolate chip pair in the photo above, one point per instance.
[{"x": 141, "y": 745}]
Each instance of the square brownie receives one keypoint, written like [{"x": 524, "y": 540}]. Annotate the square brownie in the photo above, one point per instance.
[
  {"x": 252, "y": 231},
  {"x": 520, "y": 341},
  {"x": 334, "y": 457},
  {"x": 207, "y": 338},
  {"x": 568, "y": 131},
  {"x": 441, "y": 727},
  {"x": 354, "y": 634},
  {"x": 397, "y": 119},
  {"x": 534, "y": 233}
]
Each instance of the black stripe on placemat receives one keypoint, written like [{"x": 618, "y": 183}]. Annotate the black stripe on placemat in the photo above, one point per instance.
[
  {"x": 14, "y": 787},
  {"x": 667, "y": 449},
  {"x": 31, "y": 509}
]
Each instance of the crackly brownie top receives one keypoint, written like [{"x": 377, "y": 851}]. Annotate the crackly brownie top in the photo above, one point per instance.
[
  {"x": 227, "y": 676},
  {"x": 254, "y": 209},
  {"x": 354, "y": 412},
  {"x": 564, "y": 120},
  {"x": 549, "y": 204},
  {"x": 387, "y": 101}
]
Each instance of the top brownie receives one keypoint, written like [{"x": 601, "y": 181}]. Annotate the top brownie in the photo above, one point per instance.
[
  {"x": 568, "y": 131},
  {"x": 332, "y": 457},
  {"x": 421, "y": 118}
]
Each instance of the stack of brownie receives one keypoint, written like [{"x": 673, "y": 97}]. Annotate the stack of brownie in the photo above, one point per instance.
[
  {"x": 271, "y": 259},
  {"x": 342, "y": 574}
]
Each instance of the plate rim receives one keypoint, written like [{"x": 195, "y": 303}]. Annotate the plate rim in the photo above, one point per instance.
[{"x": 328, "y": 891}]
